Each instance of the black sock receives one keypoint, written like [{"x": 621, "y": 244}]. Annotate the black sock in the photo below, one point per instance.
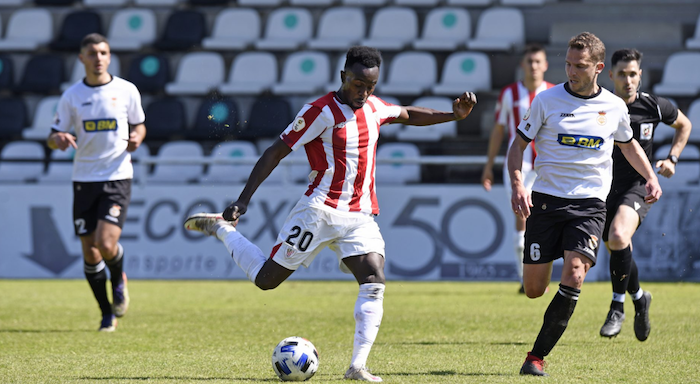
[
  {"x": 556, "y": 318},
  {"x": 97, "y": 278},
  {"x": 116, "y": 267},
  {"x": 633, "y": 285},
  {"x": 620, "y": 269}
]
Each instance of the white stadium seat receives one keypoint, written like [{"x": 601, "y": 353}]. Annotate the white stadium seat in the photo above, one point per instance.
[
  {"x": 251, "y": 73},
  {"x": 305, "y": 72},
  {"x": 197, "y": 74},
  {"x": 131, "y": 29},
  {"x": 27, "y": 30},
  {"x": 410, "y": 74},
  {"x": 234, "y": 29},
  {"x": 339, "y": 28},
  {"x": 499, "y": 29},
  {"x": 445, "y": 29},
  {"x": 22, "y": 171},
  {"x": 392, "y": 28},
  {"x": 694, "y": 42},
  {"x": 286, "y": 29},
  {"x": 464, "y": 71},
  {"x": 680, "y": 77},
  {"x": 230, "y": 173},
  {"x": 43, "y": 118},
  {"x": 177, "y": 173}
]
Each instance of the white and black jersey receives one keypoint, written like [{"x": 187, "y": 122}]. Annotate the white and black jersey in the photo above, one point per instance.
[
  {"x": 101, "y": 116},
  {"x": 646, "y": 112},
  {"x": 574, "y": 139}
]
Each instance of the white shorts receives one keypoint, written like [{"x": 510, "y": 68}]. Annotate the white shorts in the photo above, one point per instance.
[
  {"x": 308, "y": 230},
  {"x": 529, "y": 176}
]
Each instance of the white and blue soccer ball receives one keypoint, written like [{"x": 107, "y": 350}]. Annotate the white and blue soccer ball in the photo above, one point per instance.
[{"x": 295, "y": 359}]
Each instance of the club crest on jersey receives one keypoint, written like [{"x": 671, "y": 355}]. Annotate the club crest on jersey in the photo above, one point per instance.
[
  {"x": 601, "y": 119},
  {"x": 593, "y": 242},
  {"x": 581, "y": 141},
  {"x": 100, "y": 125},
  {"x": 289, "y": 252},
  {"x": 299, "y": 124},
  {"x": 527, "y": 114},
  {"x": 115, "y": 211},
  {"x": 645, "y": 131}
]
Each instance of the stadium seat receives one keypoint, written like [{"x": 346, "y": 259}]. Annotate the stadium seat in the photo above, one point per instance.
[
  {"x": 234, "y": 29},
  {"x": 149, "y": 72},
  {"x": 464, "y": 71},
  {"x": 184, "y": 29},
  {"x": 217, "y": 119},
  {"x": 311, "y": 3},
  {"x": 21, "y": 171},
  {"x": 197, "y": 74},
  {"x": 473, "y": 3},
  {"x": 27, "y": 29},
  {"x": 105, "y": 3},
  {"x": 251, "y": 73},
  {"x": 694, "y": 42},
  {"x": 499, "y": 29},
  {"x": 43, "y": 73},
  {"x": 59, "y": 170},
  {"x": 339, "y": 28},
  {"x": 131, "y": 29},
  {"x": 687, "y": 169},
  {"x": 43, "y": 118},
  {"x": 286, "y": 29},
  {"x": 430, "y": 132},
  {"x": 141, "y": 171},
  {"x": 445, "y": 29},
  {"x": 178, "y": 173},
  {"x": 75, "y": 26},
  {"x": 157, "y": 3},
  {"x": 304, "y": 72},
  {"x": 410, "y": 74},
  {"x": 165, "y": 119},
  {"x": 372, "y": 3},
  {"x": 230, "y": 173},
  {"x": 78, "y": 72},
  {"x": 417, "y": 3},
  {"x": 269, "y": 116},
  {"x": 12, "y": 3},
  {"x": 13, "y": 118},
  {"x": 523, "y": 3},
  {"x": 334, "y": 85},
  {"x": 7, "y": 73},
  {"x": 397, "y": 173},
  {"x": 680, "y": 77},
  {"x": 694, "y": 117},
  {"x": 392, "y": 28},
  {"x": 260, "y": 3}
]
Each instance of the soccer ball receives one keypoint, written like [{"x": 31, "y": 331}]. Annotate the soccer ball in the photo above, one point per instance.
[{"x": 295, "y": 359}]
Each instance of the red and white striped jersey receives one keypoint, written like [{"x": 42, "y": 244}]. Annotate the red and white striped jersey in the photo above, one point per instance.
[
  {"x": 513, "y": 103},
  {"x": 341, "y": 144}
]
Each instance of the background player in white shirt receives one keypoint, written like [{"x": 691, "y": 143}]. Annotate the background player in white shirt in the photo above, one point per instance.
[
  {"x": 339, "y": 132},
  {"x": 625, "y": 203},
  {"x": 513, "y": 103},
  {"x": 574, "y": 125},
  {"x": 107, "y": 116}
]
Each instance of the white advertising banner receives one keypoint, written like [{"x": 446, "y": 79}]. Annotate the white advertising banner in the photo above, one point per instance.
[{"x": 432, "y": 232}]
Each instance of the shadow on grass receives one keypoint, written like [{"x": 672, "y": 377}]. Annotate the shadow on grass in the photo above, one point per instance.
[
  {"x": 464, "y": 343},
  {"x": 183, "y": 378},
  {"x": 46, "y": 331},
  {"x": 450, "y": 373}
]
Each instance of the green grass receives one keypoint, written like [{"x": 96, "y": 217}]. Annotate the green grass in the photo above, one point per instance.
[{"x": 224, "y": 332}]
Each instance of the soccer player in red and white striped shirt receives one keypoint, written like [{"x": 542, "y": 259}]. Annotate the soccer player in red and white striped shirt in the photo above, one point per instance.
[
  {"x": 512, "y": 105},
  {"x": 339, "y": 133}
]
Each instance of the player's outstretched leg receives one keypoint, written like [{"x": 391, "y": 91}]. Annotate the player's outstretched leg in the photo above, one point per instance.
[
  {"x": 206, "y": 223},
  {"x": 533, "y": 365},
  {"x": 642, "y": 326},
  {"x": 369, "y": 309},
  {"x": 108, "y": 323},
  {"x": 613, "y": 323}
]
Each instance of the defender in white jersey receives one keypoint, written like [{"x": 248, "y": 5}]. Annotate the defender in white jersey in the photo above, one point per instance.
[
  {"x": 339, "y": 132},
  {"x": 513, "y": 103},
  {"x": 106, "y": 115},
  {"x": 575, "y": 126}
]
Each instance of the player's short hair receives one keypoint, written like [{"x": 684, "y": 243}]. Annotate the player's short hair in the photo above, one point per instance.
[
  {"x": 92, "y": 38},
  {"x": 367, "y": 56},
  {"x": 590, "y": 42},
  {"x": 534, "y": 48},
  {"x": 626, "y": 55}
]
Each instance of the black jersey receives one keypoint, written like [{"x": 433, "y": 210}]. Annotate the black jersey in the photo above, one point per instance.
[{"x": 646, "y": 112}]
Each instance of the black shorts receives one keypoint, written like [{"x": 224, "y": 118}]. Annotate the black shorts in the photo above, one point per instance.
[
  {"x": 633, "y": 197},
  {"x": 557, "y": 225},
  {"x": 102, "y": 200}
]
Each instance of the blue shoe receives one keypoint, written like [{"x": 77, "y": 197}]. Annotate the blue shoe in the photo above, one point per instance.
[
  {"x": 108, "y": 324},
  {"x": 120, "y": 298}
]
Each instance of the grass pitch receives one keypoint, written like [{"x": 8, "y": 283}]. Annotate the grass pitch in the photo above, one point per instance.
[{"x": 224, "y": 332}]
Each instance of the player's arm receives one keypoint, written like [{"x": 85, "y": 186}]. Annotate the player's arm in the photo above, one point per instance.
[
  {"x": 521, "y": 201},
  {"x": 137, "y": 134},
  {"x": 637, "y": 158},
  {"x": 683, "y": 126},
  {"x": 414, "y": 115},
  {"x": 61, "y": 140},
  {"x": 262, "y": 169},
  {"x": 495, "y": 141}
]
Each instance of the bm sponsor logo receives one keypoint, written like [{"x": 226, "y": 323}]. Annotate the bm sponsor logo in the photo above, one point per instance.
[
  {"x": 100, "y": 125},
  {"x": 581, "y": 141}
]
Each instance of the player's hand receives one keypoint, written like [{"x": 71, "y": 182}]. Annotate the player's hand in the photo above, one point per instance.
[
  {"x": 64, "y": 140},
  {"x": 666, "y": 168},
  {"x": 134, "y": 141},
  {"x": 462, "y": 106},
  {"x": 234, "y": 211},
  {"x": 653, "y": 191},
  {"x": 521, "y": 201},
  {"x": 487, "y": 178}
]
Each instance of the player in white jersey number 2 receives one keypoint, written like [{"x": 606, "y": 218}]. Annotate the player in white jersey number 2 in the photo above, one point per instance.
[
  {"x": 339, "y": 132},
  {"x": 107, "y": 116},
  {"x": 575, "y": 126}
]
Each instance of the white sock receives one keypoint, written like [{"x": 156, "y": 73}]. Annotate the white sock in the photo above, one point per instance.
[
  {"x": 519, "y": 250},
  {"x": 637, "y": 295},
  {"x": 619, "y": 297},
  {"x": 246, "y": 254},
  {"x": 369, "y": 309}
]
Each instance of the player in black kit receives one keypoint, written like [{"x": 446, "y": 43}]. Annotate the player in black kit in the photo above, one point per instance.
[{"x": 625, "y": 203}]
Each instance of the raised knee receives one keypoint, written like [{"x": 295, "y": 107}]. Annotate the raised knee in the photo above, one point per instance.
[{"x": 533, "y": 294}]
